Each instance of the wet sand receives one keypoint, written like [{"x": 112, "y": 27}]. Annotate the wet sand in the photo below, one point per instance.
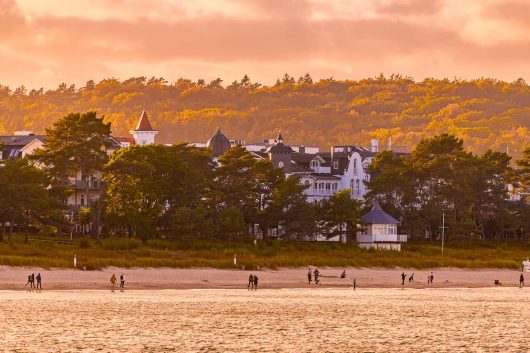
[
  {"x": 14, "y": 278},
  {"x": 288, "y": 320}
]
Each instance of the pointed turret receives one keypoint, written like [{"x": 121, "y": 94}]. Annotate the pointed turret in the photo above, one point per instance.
[{"x": 144, "y": 134}]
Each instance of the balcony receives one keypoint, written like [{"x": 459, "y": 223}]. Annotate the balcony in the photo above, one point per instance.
[
  {"x": 381, "y": 238},
  {"x": 81, "y": 185}
]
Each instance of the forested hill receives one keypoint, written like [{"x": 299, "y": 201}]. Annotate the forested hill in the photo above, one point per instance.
[{"x": 486, "y": 113}]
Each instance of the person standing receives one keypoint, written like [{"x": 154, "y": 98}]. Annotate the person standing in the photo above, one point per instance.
[
  {"x": 113, "y": 280},
  {"x": 32, "y": 280},
  {"x": 39, "y": 281},
  {"x": 250, "y": 282},
  {"x": 29, "y": 282},
  {"x": 255, "y": 282},
  {"x": 521, "y": 280},
  {"x": 75, "y": 260},
  {"x": 354, "y": 284},
  {"x": 309, "y": 276},
  {"x": 316, "y": 274},
  {"x": 122, "y": 281},
  {"x": 403, "y": 277},
  {"x": 432, "y": 278}
]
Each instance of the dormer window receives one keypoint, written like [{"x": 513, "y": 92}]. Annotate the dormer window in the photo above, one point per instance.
[
  {"x": 315, "y": 164},
  {"x": 280, "y": 164}
]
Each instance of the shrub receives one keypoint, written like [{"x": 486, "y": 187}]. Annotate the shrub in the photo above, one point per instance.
[
  {"x": 85, "y": 243},
  {"x": 121, "y": 244}
]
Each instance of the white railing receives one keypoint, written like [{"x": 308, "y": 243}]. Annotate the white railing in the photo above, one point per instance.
[{"x": 382, "y": 238}]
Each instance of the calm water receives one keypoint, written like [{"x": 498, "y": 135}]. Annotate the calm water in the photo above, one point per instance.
[{"x": 320, "y": 320}]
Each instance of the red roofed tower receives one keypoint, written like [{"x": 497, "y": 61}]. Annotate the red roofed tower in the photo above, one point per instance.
[{"x": 144, "y": 134}]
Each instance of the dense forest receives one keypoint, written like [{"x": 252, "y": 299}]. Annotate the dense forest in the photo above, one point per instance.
[{"x": 485, "y": 113}]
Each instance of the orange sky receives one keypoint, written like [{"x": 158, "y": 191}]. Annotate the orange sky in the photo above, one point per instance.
[{"x": 46, "y": 42}]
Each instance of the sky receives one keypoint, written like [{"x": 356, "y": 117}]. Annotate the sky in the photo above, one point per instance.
[{"x": 46, "y": 42}]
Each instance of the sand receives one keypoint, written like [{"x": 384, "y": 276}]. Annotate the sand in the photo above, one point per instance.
[
  {"x": 14, "y": 278},
  {"x": 288, "y": 320}
]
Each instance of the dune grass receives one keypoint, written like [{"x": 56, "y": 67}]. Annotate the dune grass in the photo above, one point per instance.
[{"x": 182, "y": 254}]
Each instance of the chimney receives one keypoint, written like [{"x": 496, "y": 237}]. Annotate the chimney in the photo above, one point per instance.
[
  {"x": 375, "y": 145},
  {"x": 301, "y": 150}
]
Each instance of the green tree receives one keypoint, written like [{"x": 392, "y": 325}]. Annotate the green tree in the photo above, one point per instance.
[
  {"x": 340, "y": 216},
  {"x": 231, "y": 223},
  {"x": 26, "y": 198}
]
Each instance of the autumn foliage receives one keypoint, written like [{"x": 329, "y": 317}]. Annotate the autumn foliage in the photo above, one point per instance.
[{"x": 485, "y": 113}]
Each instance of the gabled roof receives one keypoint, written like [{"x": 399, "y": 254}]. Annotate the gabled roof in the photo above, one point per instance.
[
  {"x": 144, "y": 124},
  {"x": 20, "y": 140},
  {"x": 378, "y": 216}
]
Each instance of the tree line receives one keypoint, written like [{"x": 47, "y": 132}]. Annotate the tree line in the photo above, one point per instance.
[
  {"x": 483, "y": 112},
  {"x": 178, "y": 192}
]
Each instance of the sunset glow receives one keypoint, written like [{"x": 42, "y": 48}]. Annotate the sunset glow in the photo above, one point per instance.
[{"x": 44, "y": 43}]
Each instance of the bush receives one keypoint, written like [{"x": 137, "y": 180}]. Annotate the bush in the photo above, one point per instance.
[
  {"x": 121, "y": 244},
  {"x": 85, "y": 243}
]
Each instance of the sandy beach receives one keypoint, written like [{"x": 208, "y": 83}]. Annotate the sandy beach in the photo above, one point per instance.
[
  {"x": 14, "y": 278},
  {"x": 286, "y": 320}
]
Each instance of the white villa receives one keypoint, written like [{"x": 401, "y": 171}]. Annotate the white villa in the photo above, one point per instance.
[{"x": 379, "y": 231}]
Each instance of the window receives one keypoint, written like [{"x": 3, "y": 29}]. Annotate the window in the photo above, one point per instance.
[
  {"x": 355, "y": 164},
  {"x": 315, "y": 164},
  {"x": 328, "y": 186},
  {"x": 82, "y": 200},
  {"x": 280, "y": 164},
  {"x": 335, "y": 164},
  {"x": 357, "y": 186}
]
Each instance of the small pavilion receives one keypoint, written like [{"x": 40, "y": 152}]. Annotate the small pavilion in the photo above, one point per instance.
[{"x": 379, "y": 231}]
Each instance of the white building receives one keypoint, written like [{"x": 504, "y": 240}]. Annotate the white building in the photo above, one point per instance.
[{"x": 379, "y": 231}]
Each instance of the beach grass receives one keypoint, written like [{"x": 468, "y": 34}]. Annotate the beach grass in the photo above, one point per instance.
[{"x": 275, "y": 254}]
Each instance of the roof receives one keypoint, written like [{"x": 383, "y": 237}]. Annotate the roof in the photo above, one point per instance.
[
  {"x": 378, "y": 216},
  {"x": 23, "y": 140},
  {"x": 298, "y": 168},
  {"x": 219, "y": 143},
  {"x": 279, "y": 148},
  {"x": 144, "y": 124},
  {"x": 129, "y": 139}
]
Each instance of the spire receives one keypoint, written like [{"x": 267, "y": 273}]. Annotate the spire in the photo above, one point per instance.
[
  {"x": 279, "y": 139},
  {"x": 144, "y": 124}
]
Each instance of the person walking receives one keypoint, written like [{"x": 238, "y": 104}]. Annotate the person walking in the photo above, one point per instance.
[
  {"x": 428, "y": 279},
  {"x": 39, "y": 281},
  {"x": 411, "y": 278},
  {"x": 403, "y": 277},
  {"x": 432, "y": 278},
  {"x": 255, "y": 282},
  {"x": 122, "y": 281},
  {"x": 354, "y": 284},
  {"x": 250, "y": 282},
  {"x": 316, "y": 274},
  {"x": 113, "y": 280},
  {"x": 521, "y": 280},
  {"x": 32, "y": 280},
  {"x": 309, "y": 276},
  {"x": 29, "y": 282}
]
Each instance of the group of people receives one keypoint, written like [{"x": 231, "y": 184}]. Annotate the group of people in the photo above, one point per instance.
[
  {"x": 31, "y": 281},
  {"x": 113, "y": 281},
  {"x": 430, "y": 278},
  {"x": 313, "y": 274},
  {"x": 252, "y": 282}
]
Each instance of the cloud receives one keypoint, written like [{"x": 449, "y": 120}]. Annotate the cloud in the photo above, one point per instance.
[
  {"x": 409, "y": 7},
  {"x": 229, "y": 38}
]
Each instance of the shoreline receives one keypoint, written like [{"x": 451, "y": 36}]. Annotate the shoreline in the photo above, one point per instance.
[{"x": 14, "y": 278}]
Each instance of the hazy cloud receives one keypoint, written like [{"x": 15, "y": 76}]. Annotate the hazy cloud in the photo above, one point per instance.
[{"x": 264, "y": 38}]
